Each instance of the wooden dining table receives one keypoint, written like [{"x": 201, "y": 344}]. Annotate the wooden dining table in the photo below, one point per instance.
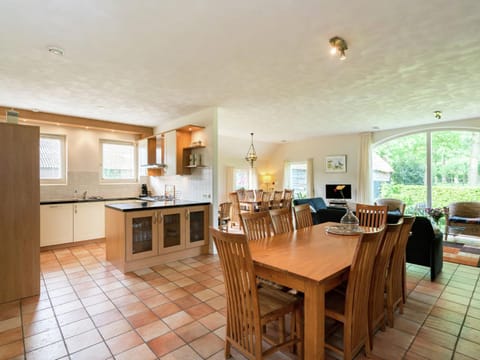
[{"x": 312, "y": 261}]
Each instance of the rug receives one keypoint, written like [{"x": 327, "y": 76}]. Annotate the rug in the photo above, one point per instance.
[{"x": 461, "y": 253}]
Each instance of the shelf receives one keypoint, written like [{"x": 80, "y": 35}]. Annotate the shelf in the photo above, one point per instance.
[
  {"x": 194, "y": 147},
  {"x": 196, "y": 166}
]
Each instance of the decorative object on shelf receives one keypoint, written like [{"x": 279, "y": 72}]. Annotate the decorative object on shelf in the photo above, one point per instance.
[
  {"x": 251, "y": 156},
  {"x": 349, "y": 220},
  {"x": 196, "y": 143},
  {"x": 435, "y": 214},
  {"x": 336, "y": 163},
  {"x": 338, "y": 46}
]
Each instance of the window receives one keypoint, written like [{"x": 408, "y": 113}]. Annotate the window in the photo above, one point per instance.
[
  {"x": 298, "y": 176},
  {"x": 241, "y": 179},
  {"x": 52, "y": 159},
  {"x": 118, "y": 161}
]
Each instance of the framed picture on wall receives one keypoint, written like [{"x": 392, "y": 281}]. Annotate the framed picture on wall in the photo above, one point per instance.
[{"x": 336, "y": 163}]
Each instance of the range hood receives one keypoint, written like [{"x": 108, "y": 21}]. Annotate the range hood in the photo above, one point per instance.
[{"x": 155, "y": 153}]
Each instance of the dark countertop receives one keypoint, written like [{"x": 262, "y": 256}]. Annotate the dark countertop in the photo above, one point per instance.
[
  {"x": 67, "y": 201},
  {"x": 149, "y": 205}
]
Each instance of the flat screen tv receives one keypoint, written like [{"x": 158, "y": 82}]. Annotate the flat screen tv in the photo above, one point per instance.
[{"x": 331, "y": 193}]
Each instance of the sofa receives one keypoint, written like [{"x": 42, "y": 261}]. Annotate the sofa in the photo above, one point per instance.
[
  {"x": 320, "y": 211},
  {"x": 425, "y": 246}
]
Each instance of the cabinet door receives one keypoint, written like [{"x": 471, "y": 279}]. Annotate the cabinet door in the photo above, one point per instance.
[
  {"x": 197, "y": 225},
  {"x": 142, "y": 157},
  {"x": 56, "y": 224},
  {"x": 141, "y": 235},
  {"x": 171, "y": 229},
  {"x": 170, "y": 147},
  {"x": 88, "y": 221}
]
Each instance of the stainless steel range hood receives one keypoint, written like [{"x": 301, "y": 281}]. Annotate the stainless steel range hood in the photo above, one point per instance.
[{"x": 155, "y": 153}]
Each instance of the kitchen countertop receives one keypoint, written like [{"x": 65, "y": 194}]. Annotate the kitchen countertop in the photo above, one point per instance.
[
  {"x": 149, "y": 205},
  {"x": 93, "y": 199}
]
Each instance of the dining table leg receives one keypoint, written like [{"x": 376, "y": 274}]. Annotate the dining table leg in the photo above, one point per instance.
[{"x": 314, "y": 317}]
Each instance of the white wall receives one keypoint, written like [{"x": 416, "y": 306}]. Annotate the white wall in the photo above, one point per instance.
[{"x": 83, "y": 165}]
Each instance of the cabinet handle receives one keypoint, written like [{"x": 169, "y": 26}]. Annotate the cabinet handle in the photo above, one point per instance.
[
  {"x": 75, "y": 209},
  {"x": 161, "y": 218},
  {"x": 155, "y": 218},
  {"x": 187, "y": 214}
]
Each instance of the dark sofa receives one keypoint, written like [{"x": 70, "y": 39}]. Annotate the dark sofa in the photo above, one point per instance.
[
  {"x": 320, "y": 211},
  {"x": 425, "y": 246}
]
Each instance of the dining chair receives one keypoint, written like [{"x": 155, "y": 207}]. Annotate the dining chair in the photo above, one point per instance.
[
  {"x": 264, "y": 204},
  {"x": 377, "y": 303},
  {"x": 250, "y": 309},
  {"x": 371, "y": 215},
  {"x": 277, "y": 199},
  {"x": 303, "y": 216},
  {"x": 257, "y": 225},
  {"x": 282, "y": 220},
  {"x": 224, "y": 215},
  {"x": 287, "y": 198},
  {"x": 235, "y": 210},
  {"x": 395, "y": 278},
  {"x": 350, "y": 308}
]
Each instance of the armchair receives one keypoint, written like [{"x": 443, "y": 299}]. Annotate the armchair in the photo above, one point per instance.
[{"x": 465, "y": 215}]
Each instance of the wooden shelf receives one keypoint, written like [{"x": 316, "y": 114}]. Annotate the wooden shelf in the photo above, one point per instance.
[{"x": 194, "y": 147}]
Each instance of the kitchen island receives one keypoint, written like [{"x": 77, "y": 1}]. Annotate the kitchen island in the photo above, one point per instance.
[{"x": 144, "y": 233}]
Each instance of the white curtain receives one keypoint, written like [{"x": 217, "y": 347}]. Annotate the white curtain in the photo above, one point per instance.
[{"x": 365, "y": 169}]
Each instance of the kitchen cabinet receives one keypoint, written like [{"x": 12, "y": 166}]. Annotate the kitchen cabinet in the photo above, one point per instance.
[
  {"x": 88, "y": 221},
  {"x": 56, "y": 224},
  {"x": 142, "y": 238},
  {"x": 179, "y": 149}
]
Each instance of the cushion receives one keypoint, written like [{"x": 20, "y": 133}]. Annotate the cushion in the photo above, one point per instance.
[{"x": 464, "y": 220}]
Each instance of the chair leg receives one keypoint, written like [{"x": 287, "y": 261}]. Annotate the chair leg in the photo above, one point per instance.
[
  {"x": 228, "y": 353},
  {"x": 281, "y": 328}
]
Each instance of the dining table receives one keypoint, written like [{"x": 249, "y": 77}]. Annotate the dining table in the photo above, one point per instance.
[{"x": 311, "y": 260}]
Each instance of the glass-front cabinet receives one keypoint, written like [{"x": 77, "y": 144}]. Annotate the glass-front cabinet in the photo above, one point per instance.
[
  {"x": 197, "y": 226},
  {"x": 171, "y": 229},
  {"x": 142, "y": 234}
]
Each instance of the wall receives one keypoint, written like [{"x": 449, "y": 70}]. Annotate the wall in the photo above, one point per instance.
[{"x": 83, "y": 165}]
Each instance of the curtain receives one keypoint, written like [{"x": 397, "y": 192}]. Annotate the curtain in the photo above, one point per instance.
[{"x": 365, "y": 169}]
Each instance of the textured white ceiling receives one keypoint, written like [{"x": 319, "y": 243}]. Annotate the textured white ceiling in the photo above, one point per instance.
[{"x": 265, "y": 64}]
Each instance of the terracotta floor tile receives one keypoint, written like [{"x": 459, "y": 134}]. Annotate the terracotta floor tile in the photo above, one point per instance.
[
  {"x": 207, "y": 345},
  {"x": 166, "y": 309},
  {"x": 191, "y": 331},
  {"x": 166, "y": 343},
  {"x": 146, "y": 293},
  {"x": 77, "y": 327},
  {"x": 107, "y": 317},
  {"x": 178, "y": 319},
  {"x": 142, "y": 318},
  {"x": 187, "y": 301},
  {"x": 72, "y": 316},
  {"x": 474, "y": 312},
  {"x": 98, "y": 351},
  {"x": 459, "y": 299},
  {"x": 184, "y": 282},
  {"x": 82, "y": 341},
  {"x": 194, "y": 288},
  {"x": 115, "y": 328},
  {"x": 10, "y": 310},
  {"x": 184, "y": 352},
  {"x": 132, "y": 309},
  {"x": 140, "y": 352},
  {"x": 53, "y": 351},
  {"x": 217, "y": 303},
  {"x": 200, "y": 310},
  {"x": 37, "y": 316},
  {"x": 42, "y": 339},
  {"x": 176, "y": 294},
  {"x": 67, "y": 307},
  {"x": 155, "y": 301},
  {"x": 153, "y": 330},
  {"x": 10, "y": 323},
  {"x": 11, "y": 335},
  {"x": 45, "y": 304},
  {"x": 116, "y": 293},
  {"x": 166, "y": 287},
  {"x": 470, "y": 334},
  {"x": 451, "y": 306},
  {"x": 205, "y": 295},
  {"x": 100, "y": 308},
  {"x": 94, "y": 299},
  {"x": 468, "y": 348},
  {"x": 11, "y": 350},
  {"x": 437, "y": 337},
  {"x": 472, "y": 322},
  {"x": 213, "y": 321},
  {"x": 124, "y": 342},
  {"x": 125, "y": 300},
  {"x": 393, "y": 336},
  {"x": 63, "y": 299},
  {"x": 443, "y": 325},
  {"x": 447, "y": 315}
]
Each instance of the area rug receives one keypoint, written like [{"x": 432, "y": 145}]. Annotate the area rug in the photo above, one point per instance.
[{"x": 460, "y": 253}]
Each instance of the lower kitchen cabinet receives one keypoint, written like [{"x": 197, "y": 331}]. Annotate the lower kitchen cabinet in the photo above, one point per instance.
[
  {"x": 138, "y": 239},
  {"x": 88, "y": 221},
  {"x": 56, "y": 224}
]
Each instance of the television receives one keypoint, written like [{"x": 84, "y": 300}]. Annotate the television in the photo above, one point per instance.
[{"x": 332, "y": 193}]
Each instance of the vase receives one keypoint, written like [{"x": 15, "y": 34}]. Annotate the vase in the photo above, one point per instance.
[{"x": 349, "y": 221}]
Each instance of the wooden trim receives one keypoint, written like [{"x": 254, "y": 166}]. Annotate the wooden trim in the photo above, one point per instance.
[
  {"x": 72, "y": 244},
  {"x": 75, "y": 121}
]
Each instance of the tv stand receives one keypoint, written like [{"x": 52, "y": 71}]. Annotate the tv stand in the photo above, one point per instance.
[{"x": 337, "y": 203}]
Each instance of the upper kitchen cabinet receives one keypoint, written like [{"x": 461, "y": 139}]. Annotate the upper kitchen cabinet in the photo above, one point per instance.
[{"x": 180, "y": 156}]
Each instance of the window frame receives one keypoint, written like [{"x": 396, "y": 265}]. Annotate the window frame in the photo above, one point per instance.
[
  {"x": 288, "y": 165},
  {"x": 63, "y": 160},
  {"x": 132, "y": 180}
]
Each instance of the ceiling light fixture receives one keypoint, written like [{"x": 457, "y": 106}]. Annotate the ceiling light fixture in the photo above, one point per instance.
[
  {"x": 251, "y": 156},
  {"x": 56, "y": 50},
  {"x": 338, "y": 46},
  {"x": 438, "y": 114}
]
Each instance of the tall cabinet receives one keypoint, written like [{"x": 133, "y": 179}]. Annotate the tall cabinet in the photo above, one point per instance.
[{"x": 19, "y": 211}]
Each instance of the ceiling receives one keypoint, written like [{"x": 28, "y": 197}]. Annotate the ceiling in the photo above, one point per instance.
[{"x": 265, "y": 64}]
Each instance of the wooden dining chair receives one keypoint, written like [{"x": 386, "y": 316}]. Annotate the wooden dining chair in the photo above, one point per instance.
[
  {"x": 250, "y": 309},
  {"x": 377, "y": 303},
  {"x": 235, "y": 210},
  {"x": 371, "y": 215},
  {"x": 303, "y": 216},
  {"x": 224, "y": 215},
  {"x": 277, "y": 199},
  {"x": 287, "y": 199},
  {"x": 350, "y": 308},
  {"x": 264, "y": 204},
  {"x": 257, "y": 225},
  {"x": 282, "y": 220},
  {"x": 395, "y": 286}
]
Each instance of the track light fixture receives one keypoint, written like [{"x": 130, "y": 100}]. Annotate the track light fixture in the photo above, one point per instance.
[{"x": 338, "y": 46}]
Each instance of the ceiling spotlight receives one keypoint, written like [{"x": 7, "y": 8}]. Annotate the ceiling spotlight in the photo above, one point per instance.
[
  {"x": 438, "y": 114},
  {"x": 56, "y": 50},
  {"x": 338, "y": 46}
]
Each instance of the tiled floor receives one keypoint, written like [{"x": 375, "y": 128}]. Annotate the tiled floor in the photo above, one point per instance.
[{"x": 89, "y": 310}]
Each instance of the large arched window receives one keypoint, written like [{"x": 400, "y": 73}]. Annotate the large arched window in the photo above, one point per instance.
[{"x": 428, "y": 169}]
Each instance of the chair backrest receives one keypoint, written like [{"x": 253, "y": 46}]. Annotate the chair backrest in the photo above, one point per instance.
[
  {"x": 396, "y": 268},
  {"x": 376, "y": 309},
  {"x": 287, "y": 198},
  {"x": 241, "y": 194},
  {"x": 249, "y": 195},
  {"x": 235, "y": 208},
  {"x": 277, "y": 199},
  {"x": 358, "y": 287},
  {"x": 392, "y": 204},
  {"x": 224, "y": 210},
  {"x": 371, "y": 215},
  {"x": 256, "y": 225},
  {"x": 282, "y": 220},
  {"x": 258, "y": 194},
  {"x": 265, "y": 202},
  {"x": 243, "y": 310},
  {"x": 303, "y": 216}
]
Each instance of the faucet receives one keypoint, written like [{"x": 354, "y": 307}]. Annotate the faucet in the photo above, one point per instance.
[{"x": 84, "y": 195}]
